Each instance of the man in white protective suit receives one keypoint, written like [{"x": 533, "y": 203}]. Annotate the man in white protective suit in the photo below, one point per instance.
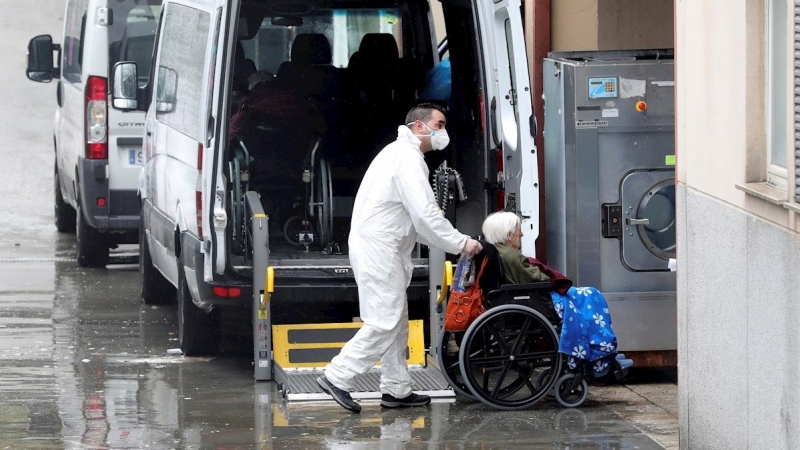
[{"x": 394, "y": 209}]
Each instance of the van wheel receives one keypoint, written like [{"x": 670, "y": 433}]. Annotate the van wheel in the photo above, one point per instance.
[
  {"x": 64, "y": 213},
  {"x": 156, "y": 290},
  {"x": 92, "y": 245},
  {"x": 198, "y": 331}
]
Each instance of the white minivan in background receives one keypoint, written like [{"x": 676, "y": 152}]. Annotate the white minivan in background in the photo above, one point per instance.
[
  {"x": 98, "y": 150},
  {"x": 338, "y": 78}
]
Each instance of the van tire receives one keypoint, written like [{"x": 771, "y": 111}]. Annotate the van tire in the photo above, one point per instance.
[
  {"x": 198, "y": 331},
  {"x": 64, "y": 213},
  {"x": 156, "y": 290},
  {"x": 92, "y": 245}
]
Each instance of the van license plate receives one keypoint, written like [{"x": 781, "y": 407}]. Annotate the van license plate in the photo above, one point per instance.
[{"x": 135, "y": 157}]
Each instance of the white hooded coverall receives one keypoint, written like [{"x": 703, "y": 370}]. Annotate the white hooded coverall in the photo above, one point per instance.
[{"x": 394, "y": 209}]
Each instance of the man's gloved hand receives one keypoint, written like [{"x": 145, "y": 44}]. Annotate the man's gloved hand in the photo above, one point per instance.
[{"x": 472, "y": 247}]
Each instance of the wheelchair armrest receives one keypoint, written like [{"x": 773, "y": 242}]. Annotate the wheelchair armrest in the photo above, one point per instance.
[{"x": 538, "y": 286}]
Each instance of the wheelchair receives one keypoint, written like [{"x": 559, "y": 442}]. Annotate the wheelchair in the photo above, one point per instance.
[{"x": 508, "y": 358}]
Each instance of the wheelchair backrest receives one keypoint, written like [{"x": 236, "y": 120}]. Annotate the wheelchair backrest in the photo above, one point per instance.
[{"x": 494, "y": 274}]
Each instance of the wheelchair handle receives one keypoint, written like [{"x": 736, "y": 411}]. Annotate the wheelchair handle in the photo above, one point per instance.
[{"x": 447, "y": 280}]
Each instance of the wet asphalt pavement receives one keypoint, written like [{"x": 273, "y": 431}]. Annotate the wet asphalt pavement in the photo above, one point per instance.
[{"x": 85, "y": 365}]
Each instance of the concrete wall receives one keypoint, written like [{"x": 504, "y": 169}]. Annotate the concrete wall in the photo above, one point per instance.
[
  {"x": 438, "y": 20},
  {"x": 611, "y": 24},
  {"x": 738, "y": 252},
  {"x": 573, "y": 25},
  {"x": 738, "y": 328}
]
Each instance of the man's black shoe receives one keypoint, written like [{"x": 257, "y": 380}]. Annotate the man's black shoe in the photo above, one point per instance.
[
  {"x": 342, "y": 397},
  {"x": 387, "y": 401}
]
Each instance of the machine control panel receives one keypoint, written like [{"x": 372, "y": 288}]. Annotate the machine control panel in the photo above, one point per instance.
[
  {"x": 624, "y": 95},
  {"x": 603, "y": 87},
  {"x": 612, "y": 220}
]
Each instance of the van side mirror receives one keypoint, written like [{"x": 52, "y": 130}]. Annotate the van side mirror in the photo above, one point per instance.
[
  {"x": 124, "y": 95},
  {"x": 166, "y": 89},
  {"x": 40, "y": 59}
]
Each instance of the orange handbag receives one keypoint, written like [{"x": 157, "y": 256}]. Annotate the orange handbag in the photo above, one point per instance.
[{"x": 463, "y": 307}]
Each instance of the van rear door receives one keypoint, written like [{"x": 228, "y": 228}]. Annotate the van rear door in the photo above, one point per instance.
[
  {"x": 213, "y": 180},
  {"x": 510, "y": 109}
]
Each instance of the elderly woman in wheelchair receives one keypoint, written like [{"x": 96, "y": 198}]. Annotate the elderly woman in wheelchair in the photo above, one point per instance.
[{"x": 538, "y": 332}]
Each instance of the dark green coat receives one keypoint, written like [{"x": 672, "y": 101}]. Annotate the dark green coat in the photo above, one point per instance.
[{"x": 518, "y": 269}]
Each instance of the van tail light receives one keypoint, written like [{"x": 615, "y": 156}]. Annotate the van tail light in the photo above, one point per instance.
[
  {"x": 198, "y": 201},
  {"x": 96, "y": 118},
  {"x": 501, "y": 193},
  {"x": 227, "y": 292},
  {"x": 198, "y": 194}
]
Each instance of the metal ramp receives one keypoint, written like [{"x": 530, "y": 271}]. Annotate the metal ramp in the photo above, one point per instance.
[
  {"x": 300, "y": 353},
  {"x": 301, "y": 385}
]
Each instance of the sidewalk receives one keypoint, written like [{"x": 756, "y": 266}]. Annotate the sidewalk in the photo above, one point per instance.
[{"x": 651, "y": 405}]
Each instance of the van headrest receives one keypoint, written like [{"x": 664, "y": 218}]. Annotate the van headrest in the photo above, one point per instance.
[
  {"x": 381, "y": 46},
  {"x": 242, "y": 68},
  {"x": 311, "y": 48}
]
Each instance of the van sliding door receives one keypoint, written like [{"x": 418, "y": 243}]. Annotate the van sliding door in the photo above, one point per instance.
[{"x": 509, "y": 109}]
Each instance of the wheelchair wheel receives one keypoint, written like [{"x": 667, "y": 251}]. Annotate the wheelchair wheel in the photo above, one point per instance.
[
  {"x": 324, "y": 213},
  {"x": 541, "y": 378},
  {"x": 570, "y": 395},
  {"x": 509, "y": 357},
  {"x": 448, "y": 363},
  {"x": 292, "y": 228}
]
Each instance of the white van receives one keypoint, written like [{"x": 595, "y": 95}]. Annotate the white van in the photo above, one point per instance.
[
  {"x": 98, "y": 152},
  {"x": 340, "y": 75}
]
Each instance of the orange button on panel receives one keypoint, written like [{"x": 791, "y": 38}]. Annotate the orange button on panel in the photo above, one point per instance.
[{"x": 641, "y": 106}]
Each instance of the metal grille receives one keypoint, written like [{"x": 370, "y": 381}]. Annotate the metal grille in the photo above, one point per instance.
[
  {"x": 302, "y": 385},
  {"x": 797, "y": 101}
]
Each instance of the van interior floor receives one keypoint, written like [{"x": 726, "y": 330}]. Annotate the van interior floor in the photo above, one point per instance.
[{"x": 283, "y": 253}]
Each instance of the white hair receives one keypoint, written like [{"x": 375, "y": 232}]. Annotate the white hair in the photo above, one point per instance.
[
  {"x": 499, "y": 226},
  {"x": 258, "y": 77}
]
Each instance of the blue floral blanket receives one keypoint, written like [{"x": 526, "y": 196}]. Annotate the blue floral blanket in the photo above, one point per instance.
[{"x": 586, "y": 333}]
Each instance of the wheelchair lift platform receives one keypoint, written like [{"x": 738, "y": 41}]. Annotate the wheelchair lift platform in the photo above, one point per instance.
[
  {"x": 301, "y": 385},
  {"x": 295, "y": 355},
  {"x": 301, "y": 352}
]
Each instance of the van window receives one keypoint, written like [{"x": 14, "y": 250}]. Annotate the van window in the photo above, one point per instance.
[
  {"x": 343, "y": 28},
  {"x": 132, "y": 33},
  {"x": 73, "y": 38},
  {"x": 183, "y": 51}
]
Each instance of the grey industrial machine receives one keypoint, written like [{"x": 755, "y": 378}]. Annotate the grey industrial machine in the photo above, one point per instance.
[{"x": 610, "y": 185}]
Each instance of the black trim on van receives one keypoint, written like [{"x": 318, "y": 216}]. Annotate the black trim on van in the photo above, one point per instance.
[
  {"x": 129, "y": 142},
  {"x": 162, "y": 230},
  {"x": 159, "y": 225},
  {"x": 192, "y": 258},
  {"x": 121, "y": 212}
]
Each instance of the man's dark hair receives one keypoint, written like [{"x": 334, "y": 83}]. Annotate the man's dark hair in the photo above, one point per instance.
[{"x": 423, "y": 112}]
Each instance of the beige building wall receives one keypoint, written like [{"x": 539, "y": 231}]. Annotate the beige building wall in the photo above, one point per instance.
[
  {"x": 738, "y": 237},
  {"x": 438, "y": 20},
  {"x": 611, "y": 24}
]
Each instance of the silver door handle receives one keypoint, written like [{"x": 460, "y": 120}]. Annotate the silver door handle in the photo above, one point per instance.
[{"x": 637, "y": 221}]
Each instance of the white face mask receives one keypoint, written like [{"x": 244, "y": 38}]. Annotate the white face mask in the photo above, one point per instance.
[{"x": 439, "y": 138}]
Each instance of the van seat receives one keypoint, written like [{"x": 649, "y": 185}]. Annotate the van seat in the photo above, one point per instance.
[
  {"x": 373, "y": 70},
  {"x": 309, "y": 70},
  {"x": 373, "y": 67},
  {"x": 242, "y": 69}
]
